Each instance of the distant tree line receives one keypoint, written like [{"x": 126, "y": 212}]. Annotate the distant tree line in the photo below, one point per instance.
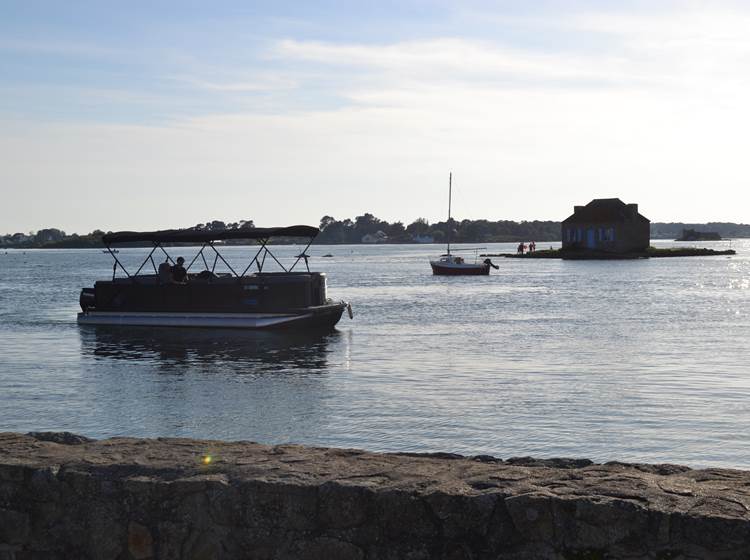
[
  {"x": 420, "y": 230},
  {"x": 368, "y": 228},
  {"x": 485, "y": 231},
  {"x": 673, "y": 230},
  {"x": 53, "y": 238}
]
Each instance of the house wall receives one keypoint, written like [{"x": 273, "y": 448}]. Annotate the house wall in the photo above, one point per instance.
[
  {"x": 611, "y": 237},
  {"x": 633, "y": 237}
]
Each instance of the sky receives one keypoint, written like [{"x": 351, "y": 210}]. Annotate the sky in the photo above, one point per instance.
[{"x": 151, "y": 115}]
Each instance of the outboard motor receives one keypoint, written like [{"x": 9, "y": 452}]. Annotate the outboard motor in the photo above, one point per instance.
[
  {"x": 87, "y": 299},
  {"x": 488, "y": 262}
]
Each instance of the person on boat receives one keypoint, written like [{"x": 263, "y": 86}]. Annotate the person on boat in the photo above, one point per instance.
[
  {"x": 165, "y": 272},
  {"x": 179, "y": 274},
  {"x": 521, "y": 247}
]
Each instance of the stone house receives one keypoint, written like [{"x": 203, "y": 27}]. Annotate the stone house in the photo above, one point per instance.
[
  {"x": 606, "y": 225},
  {"x": 695, "y": 235}
]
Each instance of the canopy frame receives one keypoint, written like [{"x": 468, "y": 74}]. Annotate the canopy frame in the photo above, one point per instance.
[{"x": 263, "y": 251}]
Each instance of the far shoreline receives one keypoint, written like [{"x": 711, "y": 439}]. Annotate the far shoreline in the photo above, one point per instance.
[{"x": 538, "y": 254}]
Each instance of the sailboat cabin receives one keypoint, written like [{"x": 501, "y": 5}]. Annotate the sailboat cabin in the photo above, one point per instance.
[{"x": 606, "y": 224}]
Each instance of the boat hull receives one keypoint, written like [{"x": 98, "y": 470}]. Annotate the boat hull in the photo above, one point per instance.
[
  {"x": 319, "y": 317},
  {"x": 460, "y": 270}
]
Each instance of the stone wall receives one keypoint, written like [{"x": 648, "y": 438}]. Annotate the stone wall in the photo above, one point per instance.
[{"x": 64, "y": 496}]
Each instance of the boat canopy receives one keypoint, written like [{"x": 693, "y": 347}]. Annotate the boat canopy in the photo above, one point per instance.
[{"x": 207, "y": 236}]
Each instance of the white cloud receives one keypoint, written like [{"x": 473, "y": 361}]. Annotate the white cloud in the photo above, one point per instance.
[{"x": 454, "y": 59}]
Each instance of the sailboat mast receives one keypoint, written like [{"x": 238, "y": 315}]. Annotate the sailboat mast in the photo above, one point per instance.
[{"x": 450, "y": 182}]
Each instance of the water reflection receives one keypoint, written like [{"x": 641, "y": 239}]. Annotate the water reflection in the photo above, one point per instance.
[{"x": 245, "y": 351}]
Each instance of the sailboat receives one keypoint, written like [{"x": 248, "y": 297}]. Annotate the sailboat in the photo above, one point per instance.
[{"x": 454, "y": 265}]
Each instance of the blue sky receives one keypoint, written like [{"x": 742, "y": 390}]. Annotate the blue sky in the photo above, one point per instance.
[
  {"x": 161, "y": 61},
  {"x": 282, "y": 112}
]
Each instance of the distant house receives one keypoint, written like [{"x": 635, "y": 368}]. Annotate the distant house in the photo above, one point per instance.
[
  {"x": 608, "y": 225},
  {"x": 422, "y": 239},
  {"x": 377, "y": 237},
  {"x": 694, "y": 235}
]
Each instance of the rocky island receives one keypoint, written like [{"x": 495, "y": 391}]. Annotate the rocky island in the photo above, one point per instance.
[
  {"x": 651, "y": 252},
  {"x": 66, "y": 496}
]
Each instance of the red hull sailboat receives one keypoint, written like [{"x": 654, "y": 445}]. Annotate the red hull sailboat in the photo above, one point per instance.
[{"x": 454, "y": 265}]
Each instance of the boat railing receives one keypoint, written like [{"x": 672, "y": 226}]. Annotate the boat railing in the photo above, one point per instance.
[
  {"x": 467, "y": 249},
  {"x": 218, "y": 278}
]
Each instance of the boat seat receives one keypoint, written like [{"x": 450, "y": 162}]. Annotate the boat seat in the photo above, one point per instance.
[
  {"x": 203, "y": 276},
  {"x": 165, "y": 273}
]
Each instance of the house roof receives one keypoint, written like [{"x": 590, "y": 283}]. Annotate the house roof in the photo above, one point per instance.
[{"x": 605, "y": 210}]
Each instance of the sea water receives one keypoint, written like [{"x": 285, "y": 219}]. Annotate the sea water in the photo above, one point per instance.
[{"x": 642, "y": 360}]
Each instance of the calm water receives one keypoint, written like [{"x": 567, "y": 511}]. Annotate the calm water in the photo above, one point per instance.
[{"x": 632, "y": 360}]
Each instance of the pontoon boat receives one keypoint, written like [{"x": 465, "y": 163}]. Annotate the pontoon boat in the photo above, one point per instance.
[{"x": 257, "y": 300}]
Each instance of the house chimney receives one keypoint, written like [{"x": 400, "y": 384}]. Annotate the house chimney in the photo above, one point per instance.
[
  {"x": 633, "y": 208},
  {"x": 577, "y": 209}
]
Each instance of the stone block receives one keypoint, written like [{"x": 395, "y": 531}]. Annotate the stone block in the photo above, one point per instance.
[
  {"x": 323, "y": 547},
  {"x": 204, "y": 544},
  {"x": 464, "y": 517},
  {"x": 344, "y": 506},
  {"x": 106, "y": 530},
  {"x": 404, "y": 517},
  {"x": 170, "y": 538},
  {"x": 604, "y": 522},
  {"x": 12, "y": 473},
  {"x": 45, "y": 487},
  {"x": 532, "y": 517},
  {"x": 15, "y": 527},
  {"x": 140, "y": 541},
  {"x": 280, "y": 505}
]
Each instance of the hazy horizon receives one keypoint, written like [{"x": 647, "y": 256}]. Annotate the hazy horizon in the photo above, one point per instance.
[{"x": 145, "y": 116}]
